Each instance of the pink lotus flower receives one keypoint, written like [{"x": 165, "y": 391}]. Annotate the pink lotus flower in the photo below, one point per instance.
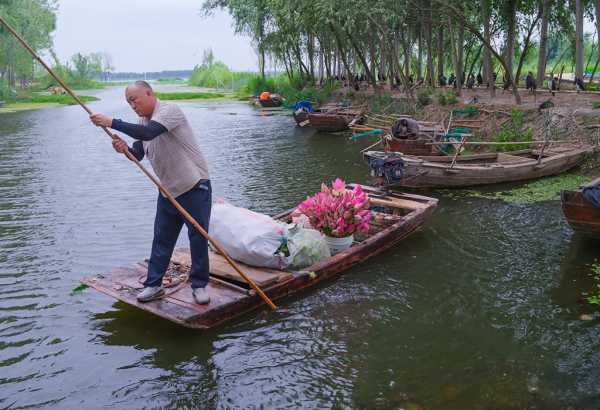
[{"x": 335, "y": 211}]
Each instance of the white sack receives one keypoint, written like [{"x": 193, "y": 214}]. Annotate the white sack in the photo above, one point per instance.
[{"x": 248, "y": 236}]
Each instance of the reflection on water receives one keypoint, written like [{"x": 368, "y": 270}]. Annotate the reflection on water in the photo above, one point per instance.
[{"x": 480, "y": 308}]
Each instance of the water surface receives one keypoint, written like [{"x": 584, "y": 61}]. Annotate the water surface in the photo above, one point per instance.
[{"x": 480, "y": 308}]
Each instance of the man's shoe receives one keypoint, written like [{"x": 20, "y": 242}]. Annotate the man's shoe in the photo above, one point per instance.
[
  {"x": 201, "y": 296},
  {"x": 150, "y": 293}
]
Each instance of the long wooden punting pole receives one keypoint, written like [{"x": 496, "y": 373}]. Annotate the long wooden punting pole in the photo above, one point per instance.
[{"x": 158, "y": 184}]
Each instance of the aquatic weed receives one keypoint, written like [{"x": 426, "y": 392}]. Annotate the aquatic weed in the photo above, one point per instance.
[{"x": 541, "y": 190}]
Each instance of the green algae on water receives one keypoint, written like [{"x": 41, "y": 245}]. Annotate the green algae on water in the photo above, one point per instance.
[{"x": 541, "y": 190}]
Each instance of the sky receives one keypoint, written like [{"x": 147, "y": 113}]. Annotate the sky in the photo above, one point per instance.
[{"x": 149, "y": 35}]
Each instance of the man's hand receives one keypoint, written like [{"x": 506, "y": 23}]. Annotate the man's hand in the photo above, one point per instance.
[
  {"x": 101, "y": 120},
  {"x": 119, "y": 145}
]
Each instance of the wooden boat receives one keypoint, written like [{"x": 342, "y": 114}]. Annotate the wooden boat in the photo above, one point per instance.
[
  {"x": 2, "y": 103},
  {"x": 335, "y": 120},
  {"x": 273, "y": 100},
  {"x": 231, "y": 296},
  {"x": 583, "y": 217},
  {"x": 483, "y": 169},
  {"x": 416, "y": 145},
  {"x": 301, "y": 116}
]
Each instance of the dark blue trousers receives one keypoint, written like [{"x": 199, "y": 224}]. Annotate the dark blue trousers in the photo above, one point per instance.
[{"x": 167, "y": 226}]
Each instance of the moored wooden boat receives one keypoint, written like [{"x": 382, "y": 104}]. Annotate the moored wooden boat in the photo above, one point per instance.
[
  {"x": 583, "y": 217},
  {"x": 484, "y": 169},
  {"x": 335, "y": 120},
  {"x": 273, "y": 100},
  {"x": 301, "y": 116},
  {"x": 415, "y": 147},
  {"x": 231, "y": 297}
]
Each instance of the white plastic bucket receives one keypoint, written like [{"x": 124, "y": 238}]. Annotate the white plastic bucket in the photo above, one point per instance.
[{"x": 337, "y": 245}]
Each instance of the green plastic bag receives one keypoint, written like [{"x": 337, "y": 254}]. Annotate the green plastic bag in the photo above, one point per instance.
[{"x": 307, "y": 247}]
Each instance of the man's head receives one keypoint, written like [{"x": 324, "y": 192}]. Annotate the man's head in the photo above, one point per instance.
[{"x": 141, "y": 98}]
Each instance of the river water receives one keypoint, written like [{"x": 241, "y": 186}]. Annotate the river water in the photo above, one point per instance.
[{"x": 480, "y": 308}]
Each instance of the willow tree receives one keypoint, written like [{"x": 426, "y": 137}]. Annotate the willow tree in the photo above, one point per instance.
[{"x": 34, "y": 20}]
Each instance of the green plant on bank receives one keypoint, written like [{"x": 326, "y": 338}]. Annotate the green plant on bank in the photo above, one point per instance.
[
  {"x": 5, "y": 92},
  {"x": 589, "y": 159},
  {"x": 542, "y": 190},
  {"x": 187, "y": 96},
  {"x": 596, "y": 104},
  {"x": 61, "y": 99},
  {"x": 447, "y": 97},
  {"x": 592, "y": 87},
  {"x": 423, "y": 96},
  {"x": 594, "y": 297},
  {"x": 176, "y": 80},
  {"x": 511, "y": 133}
]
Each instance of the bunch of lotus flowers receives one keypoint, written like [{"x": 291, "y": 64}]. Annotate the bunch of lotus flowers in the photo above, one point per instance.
[{"x": 336, "y": 212}]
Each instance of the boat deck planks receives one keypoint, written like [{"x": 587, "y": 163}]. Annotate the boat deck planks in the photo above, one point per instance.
[{"x": 231, "y": 298}]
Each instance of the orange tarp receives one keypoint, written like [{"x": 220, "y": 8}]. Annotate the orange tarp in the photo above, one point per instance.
[{"x": 265, "y": 95}]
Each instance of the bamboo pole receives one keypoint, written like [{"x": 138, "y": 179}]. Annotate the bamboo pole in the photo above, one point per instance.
[
  {"x": 457, "y": 153},
  {"x": 156, "y": 182}
]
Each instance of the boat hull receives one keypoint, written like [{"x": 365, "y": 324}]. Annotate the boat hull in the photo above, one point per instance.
[
  {"x": 582, "y": 216},
  {"x": 270, "y": 102},
  {"x": 229, "y": 300},
  {"x": 485, "y": 169},
  {"x": 334, "y": 122}
]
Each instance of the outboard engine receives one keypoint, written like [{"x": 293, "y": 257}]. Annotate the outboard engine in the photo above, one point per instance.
[{"x": 387, "y": 170}]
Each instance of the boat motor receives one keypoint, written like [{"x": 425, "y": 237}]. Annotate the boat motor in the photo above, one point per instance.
[{"x": 387, "y": 170}]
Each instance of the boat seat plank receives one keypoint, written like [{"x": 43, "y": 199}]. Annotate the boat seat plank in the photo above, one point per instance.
[
  {"x": 513, "y": 159},
  {"x": 392, "y": 200},
  {"x": 219, "y": 266}
]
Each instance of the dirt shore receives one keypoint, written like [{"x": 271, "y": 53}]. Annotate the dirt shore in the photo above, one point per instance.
[{"x": 572, "y": 117}]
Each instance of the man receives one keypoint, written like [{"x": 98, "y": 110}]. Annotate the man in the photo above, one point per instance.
[{"x": 164, "y": 135}]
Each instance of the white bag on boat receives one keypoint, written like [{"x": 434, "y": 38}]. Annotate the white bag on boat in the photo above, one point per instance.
[{"x": 248, "y": 236}]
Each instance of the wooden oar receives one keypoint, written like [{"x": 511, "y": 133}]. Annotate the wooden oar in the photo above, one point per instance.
[{"x": 158, "y": 184}]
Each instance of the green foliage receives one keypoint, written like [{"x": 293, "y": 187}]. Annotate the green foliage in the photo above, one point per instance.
[
  {"x": 187, "y": 96},
  {"x": 511, "y": 133},
  {"x": 590, "y": 159},
  {"x": 258, "y": 84},
  {"x": 447, "y": 97},
  {"x": 34, "y": 20},
  {"x": 596, "y": 104},
  {"x": 5, "y": 92},
  {"x": 171, "y": 81},
  {"x": 61, "y": 99},
  {"x": 218, "y": 76},
  {"x": 592, "y": 87},
  {"x": 542, "y": 190},
  {"x": 594, "y": 297},
  {"x": 423, "y": 96}
]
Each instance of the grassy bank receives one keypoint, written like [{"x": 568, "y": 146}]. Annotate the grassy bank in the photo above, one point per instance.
[
  {"x": 187, "y": 96},
  {"x": 59, "y": 99}
]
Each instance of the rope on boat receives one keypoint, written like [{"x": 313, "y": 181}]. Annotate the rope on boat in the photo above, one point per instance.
[{"x": 176, "y": 276}]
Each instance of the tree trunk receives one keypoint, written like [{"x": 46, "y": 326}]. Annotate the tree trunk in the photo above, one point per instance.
[
  {"x": 383, "y": 63},
  {"x": 510, "y": 34},
  {"x": 372, "y": 60},
  {"x": 460, "y": 51},
  {"x": 320, "y": 63},
  {"x": 527, "y": 46},
  {"x": 440, "y": 49},
  {"x": 457, "y": 68},
  {"x": 487, "y": 54},
  {"x": 541, "y": 68},
  {"x": 429, "y": 43},
  {"x": 311, "y": 57},
  {"x": 579, "y": 39},
  {"x": 597, "y": 4},
  {"x": 420, "y": 53}
]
